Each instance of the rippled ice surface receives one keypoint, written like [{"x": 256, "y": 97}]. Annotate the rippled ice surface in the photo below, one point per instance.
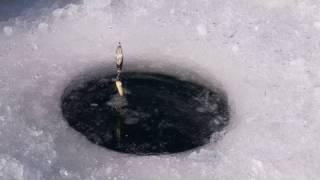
[{"x": 265, "y": 54}]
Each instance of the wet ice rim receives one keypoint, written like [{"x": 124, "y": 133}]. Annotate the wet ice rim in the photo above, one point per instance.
[{"x": 161, "y": 113}]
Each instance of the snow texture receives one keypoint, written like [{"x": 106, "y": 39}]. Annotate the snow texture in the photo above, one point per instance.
[{"x": 263, "y": 53}]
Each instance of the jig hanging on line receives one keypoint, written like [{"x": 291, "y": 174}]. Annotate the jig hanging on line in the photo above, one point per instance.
[{"x": 119, "y": 62}]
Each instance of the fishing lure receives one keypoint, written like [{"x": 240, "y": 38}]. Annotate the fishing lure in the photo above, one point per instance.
[{"x": 119, "y": 63}]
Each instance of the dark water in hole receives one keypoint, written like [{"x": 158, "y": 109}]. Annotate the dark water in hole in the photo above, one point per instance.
[{"x": 160, "y": 114}]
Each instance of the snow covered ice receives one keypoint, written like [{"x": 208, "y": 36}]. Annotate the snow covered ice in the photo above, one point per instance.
[{"x": 264, "y": 54}]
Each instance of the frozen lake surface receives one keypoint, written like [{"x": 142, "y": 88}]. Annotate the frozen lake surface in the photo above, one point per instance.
[{"x": 264, "y": 54}]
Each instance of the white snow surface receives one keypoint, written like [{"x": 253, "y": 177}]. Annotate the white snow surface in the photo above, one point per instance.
[{"x": 264, "y": 54}]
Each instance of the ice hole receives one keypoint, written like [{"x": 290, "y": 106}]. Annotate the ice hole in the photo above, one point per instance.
[{"x": 160, "y": 114}]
